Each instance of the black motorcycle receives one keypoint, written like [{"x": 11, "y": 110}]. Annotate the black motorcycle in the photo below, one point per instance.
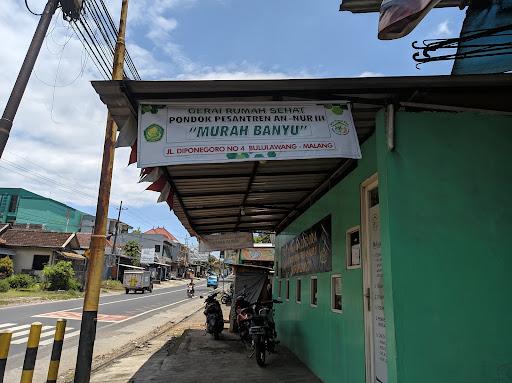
[
  {"x": 213, "y": 313},
  {"x": 263, "y": 330}
]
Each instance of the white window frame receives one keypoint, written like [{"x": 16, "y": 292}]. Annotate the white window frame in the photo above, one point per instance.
[
  {"x": 314, "y": 277},
  {"x": 332, "y": 293},
  {"x": 298, "y": 291},
  {"x": 348, "y": 248},
  {"x": 287, "y": 292}
]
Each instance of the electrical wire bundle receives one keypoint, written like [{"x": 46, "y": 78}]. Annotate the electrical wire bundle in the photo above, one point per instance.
[{"x": 98, "y": 34}]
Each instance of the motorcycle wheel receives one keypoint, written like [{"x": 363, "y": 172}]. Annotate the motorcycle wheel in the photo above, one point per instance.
[
  {"x": 216, "y": 335},
  {"x": 259, "y": 350},
  {"x": 223, "y": 299}
]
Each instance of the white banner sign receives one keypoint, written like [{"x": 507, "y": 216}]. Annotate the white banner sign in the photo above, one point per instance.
[
  {"x": 174, "y": 134},
  {"x": 225, "y": 241},
  {"x": 147, "y": 256}
]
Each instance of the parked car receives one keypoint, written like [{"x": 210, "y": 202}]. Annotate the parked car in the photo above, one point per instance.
[{"x": 212, "y": 281}]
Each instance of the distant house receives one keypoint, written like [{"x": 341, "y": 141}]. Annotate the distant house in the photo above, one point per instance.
[
  {"x": 21, "y": 206},
  {"x": 162, "y": 231},
  {"x": 32, "y": 249},
  {"x": 163, "y": 248},
  {"x": 88, "y": 220}
]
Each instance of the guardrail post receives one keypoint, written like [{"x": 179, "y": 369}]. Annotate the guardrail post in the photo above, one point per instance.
[
  {"x": 58, "y": 340},
  {"x": 5, "y": 343},
  {"x": 31, "y": 354}
]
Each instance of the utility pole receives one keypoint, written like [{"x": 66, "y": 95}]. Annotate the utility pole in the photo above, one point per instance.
[
  {"x": 120, "y": 208},
  {"x": 24, "y": 75},
  {"x": 97, "y": 252}
]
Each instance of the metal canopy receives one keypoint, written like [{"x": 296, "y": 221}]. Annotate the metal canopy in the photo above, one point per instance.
[{"x": 268, "y": 195}]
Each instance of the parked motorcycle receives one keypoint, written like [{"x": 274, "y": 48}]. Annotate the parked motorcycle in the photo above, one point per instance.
[
  {"x": 244, "y": 313},
  {"x": 213, "y": 313},
  {"x": 226, "y": 298},
  {"x": 263, "y": 331}
]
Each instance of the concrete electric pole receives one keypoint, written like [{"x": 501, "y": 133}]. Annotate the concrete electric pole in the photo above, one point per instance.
[
  {"x": 97, "y": 248},
  {"x": 71, "y": 10}
]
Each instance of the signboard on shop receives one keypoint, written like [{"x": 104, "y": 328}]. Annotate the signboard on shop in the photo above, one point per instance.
[
  {"x": 175, "y": 134},
  {"x": 225, "y": 241},
  {"x": 309, "y": 252},
  {"x": 257, "y": 254},
  {"x": 147, "y": 255}
]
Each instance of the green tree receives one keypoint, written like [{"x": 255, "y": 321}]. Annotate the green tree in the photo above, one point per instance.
[
  {"x": 6, "y": 267},
  {"x": 61, "y": 276},
  {"x": 132, "y": 250},
  {"x": 137, "y": 231}
]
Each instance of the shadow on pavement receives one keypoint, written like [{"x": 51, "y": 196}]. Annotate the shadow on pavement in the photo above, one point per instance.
[{"x": 196, "y": 357}]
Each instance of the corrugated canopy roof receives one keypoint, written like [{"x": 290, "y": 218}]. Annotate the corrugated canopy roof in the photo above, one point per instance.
[{"x": 209, "y": 197}]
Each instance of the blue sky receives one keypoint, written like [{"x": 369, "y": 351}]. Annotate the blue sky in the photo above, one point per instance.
[{"x": 59, "y": 129}]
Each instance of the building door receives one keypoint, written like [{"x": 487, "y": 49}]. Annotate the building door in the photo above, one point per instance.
[{"x": 375, "y": 323}]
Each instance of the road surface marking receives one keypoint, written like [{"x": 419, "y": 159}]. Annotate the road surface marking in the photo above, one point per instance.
[
  {"x": 158, "y": 308},
  {"x": 17, "y": 327},
  {"x": 46, "y": 334},
  {"x": 6, "y": 325},
  {"x": 78, "y": 316},
  {"x": 129, "y": 299},
  {"x": 67, "y": 336},
  {"x": 25, "y": 332}
]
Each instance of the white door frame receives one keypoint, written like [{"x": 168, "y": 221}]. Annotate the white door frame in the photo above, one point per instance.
[{"x": 368, "y": 185}]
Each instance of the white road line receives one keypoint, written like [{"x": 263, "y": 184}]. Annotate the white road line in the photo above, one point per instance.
[
  {"x": 158, "y": 308},
  {"x": 126, "y": 300},
  {"x": 25, "y": 332},
  {"x": 43, "y": 335},
  {"x": 67, "y": 336},
  {"x": 6, "y": 325},
  {"x": 18, "y": 327}
]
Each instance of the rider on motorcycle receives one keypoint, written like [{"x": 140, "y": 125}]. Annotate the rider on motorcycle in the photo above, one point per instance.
[{"x": 191, "y": 286}]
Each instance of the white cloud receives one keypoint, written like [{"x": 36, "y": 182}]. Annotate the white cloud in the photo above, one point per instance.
[
  {"x": 370, "y": 74},
  {"x": 442, "y": 30},
  {"x": 56, "y": 141}
]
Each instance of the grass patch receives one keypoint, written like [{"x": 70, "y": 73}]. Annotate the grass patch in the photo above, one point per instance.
[
  {"x": 111, "y": 284},
  {"x": 36, "y": 294}
]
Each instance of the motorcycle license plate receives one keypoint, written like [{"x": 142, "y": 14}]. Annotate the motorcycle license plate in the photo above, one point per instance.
[{"x": 256, "y": 330}]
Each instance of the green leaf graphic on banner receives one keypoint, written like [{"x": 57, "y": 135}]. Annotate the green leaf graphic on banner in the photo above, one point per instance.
[{"x": 153, "y": 133}]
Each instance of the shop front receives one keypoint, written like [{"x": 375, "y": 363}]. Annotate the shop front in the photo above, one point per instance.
[
  {"x": 415, "y": 258},
  {"x": 393, "y": 262}
]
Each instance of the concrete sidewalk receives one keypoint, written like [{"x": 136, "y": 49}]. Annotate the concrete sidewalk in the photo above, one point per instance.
[{"x": 186, "y": 354}]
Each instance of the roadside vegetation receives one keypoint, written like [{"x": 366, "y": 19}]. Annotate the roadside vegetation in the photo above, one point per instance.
[{"x": 58, "y": 282}]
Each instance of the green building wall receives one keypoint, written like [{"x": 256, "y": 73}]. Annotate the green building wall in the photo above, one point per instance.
[
  {"x": 446, "y": 194},
  {"x": 35, "y": 209},
  {"x": 331, "y": 344},
  {"x": 446, "y": 218}
]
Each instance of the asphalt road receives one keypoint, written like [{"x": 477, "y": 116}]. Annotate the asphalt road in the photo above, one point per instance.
[{"x": 115, "y": 312}]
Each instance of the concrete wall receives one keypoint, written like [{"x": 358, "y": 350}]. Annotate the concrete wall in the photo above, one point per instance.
[
  {"x": 446, "y": 192},
  {"x": 330, "y": 343},
  {"x": 25, "y": 256}
]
